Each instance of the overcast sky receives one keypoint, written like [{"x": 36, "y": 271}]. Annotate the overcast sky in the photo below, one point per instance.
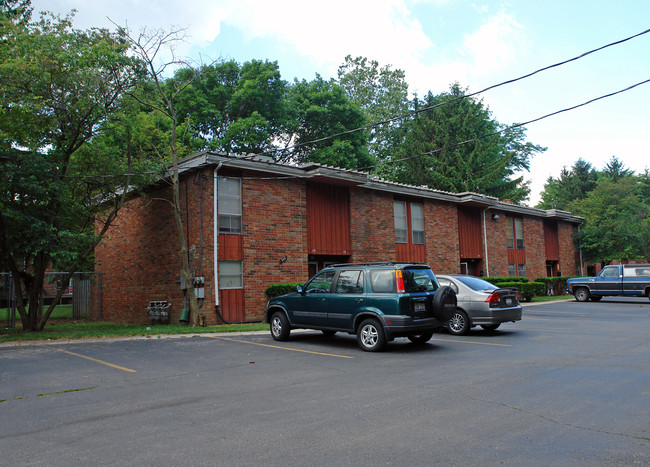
[{"x": 438, "y": 42}]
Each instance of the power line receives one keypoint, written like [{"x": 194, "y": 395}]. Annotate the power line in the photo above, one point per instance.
[
  {"x": 424, "y": 109},
  {"x": 435, "y": 151}
]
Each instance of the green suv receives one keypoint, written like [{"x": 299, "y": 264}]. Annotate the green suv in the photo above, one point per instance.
[{"x": 375, "y": 301}]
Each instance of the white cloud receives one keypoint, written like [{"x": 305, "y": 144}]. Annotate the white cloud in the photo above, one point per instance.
[{"x": 495, "y": 44}]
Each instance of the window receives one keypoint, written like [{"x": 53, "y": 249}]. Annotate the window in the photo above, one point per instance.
[
  {"x": 229, "y": 205},
  {"x": 417, "y": 223},
  {"x": 350, "y": 282},
  {"x": 519, "y": 233},
  {"x": 321, "y": 283},
  {"x": 401, "y": 223},
  {"x": 231, "y": 275},
  {"x": 521, "y": 270},
  {"x": 514, "y": 233},
  {"x": 512, "y": 272}
]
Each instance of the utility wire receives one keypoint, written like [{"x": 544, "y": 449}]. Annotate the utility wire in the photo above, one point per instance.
[
  {"x": 435, "y": 151},
  {"x": 424, "y": 109}
]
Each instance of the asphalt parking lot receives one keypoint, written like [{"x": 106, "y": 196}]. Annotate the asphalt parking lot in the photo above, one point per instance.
[{"x": 568, "y": 385}]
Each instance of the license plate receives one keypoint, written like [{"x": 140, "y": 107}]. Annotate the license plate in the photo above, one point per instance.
[
  {"x": 508, "y": 301},
  {"x": 419, "y": 306}
]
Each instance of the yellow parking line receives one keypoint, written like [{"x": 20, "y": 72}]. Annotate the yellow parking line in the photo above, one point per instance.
[
  {"x": 472, "y": 342},
  {"x": 278, "y": 347},
  {"x": 98, "y": 361}
]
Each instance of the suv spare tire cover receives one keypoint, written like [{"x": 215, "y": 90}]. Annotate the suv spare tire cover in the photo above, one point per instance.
[{"x": 444, "y": 303}]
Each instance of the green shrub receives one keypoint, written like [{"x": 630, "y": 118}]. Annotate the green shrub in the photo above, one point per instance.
[
  {"x": 500, "y": 280},
  {"x": 527, "y": 290},
  {"x": 557, "y": 284},
  {"x": 276, "y": 290}
]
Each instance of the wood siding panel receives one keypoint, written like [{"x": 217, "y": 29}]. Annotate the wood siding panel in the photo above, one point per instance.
[
  {"x": 231, "y": 247},
  {"x": 409, "y": 253},
  {"x": 231, "y": 305},
  {"x": 517, "y": 256},
  {"x": 551, "y": 241},
  {"x": 470, "y": 233},
  {"x": 328, "y": 220}
]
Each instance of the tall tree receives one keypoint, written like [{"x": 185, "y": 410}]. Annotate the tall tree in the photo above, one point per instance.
[
  {"x": 150, "y": 47},
  {"x": 321, "y": 133},
  {"x": 236, "y": 108},
  {"x": 382, "y": 96},
  {"x": 447, "y": 147},
  {"x": 615, "y": 170},
  {"x": 59, "y": 85},
  {"x": 617, "y": 222},
  {"x": 571, "y": 185}
]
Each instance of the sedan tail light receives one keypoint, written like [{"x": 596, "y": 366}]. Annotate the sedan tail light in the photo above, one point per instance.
[{"x": 494, "y": 297}]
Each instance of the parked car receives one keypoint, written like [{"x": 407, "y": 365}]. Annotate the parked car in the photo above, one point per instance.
[
  {"x": 631, "y": 280},
  {"x": 480, "y": 303},
  {"x": 375, "y": 301}
]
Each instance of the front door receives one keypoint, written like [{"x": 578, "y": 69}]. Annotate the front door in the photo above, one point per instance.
[{"x": 315, "y": 300}]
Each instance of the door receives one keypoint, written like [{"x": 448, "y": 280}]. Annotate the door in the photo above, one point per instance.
[
  {"x": 608, "y": 281},
  {"x": 312, "y": 306},
  {"x": 348, "y": 298}
]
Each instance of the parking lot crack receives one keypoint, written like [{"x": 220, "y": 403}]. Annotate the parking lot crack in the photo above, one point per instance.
[{"x": 558, "y": 422}]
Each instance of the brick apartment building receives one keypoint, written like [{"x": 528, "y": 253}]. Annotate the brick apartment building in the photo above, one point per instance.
[{"x": 251, "y": 222}]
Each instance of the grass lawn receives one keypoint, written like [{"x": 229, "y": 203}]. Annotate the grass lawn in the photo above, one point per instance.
[{"x": 62, "y": 326}]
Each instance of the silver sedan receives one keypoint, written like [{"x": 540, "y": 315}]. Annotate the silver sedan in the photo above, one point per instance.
[{"x": 480, "y": 304}]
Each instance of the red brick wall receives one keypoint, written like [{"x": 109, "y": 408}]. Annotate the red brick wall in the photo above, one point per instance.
[
  {"x": 567, "y": 264},
  {"x": 274, "y": 226},
  {"x": 372, "y": 228},
  {"x": 535, "y": 248},
  {"x": 140, "y": 257},
  {"x": 441, "y": 237},
  {"x": 497, "y": 257}
]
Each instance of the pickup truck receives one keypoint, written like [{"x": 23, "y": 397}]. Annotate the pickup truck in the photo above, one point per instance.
[{"x": 631, "y": 280}]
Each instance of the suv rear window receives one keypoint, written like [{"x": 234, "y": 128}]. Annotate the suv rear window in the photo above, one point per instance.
[{"x": 419, "y": 280}]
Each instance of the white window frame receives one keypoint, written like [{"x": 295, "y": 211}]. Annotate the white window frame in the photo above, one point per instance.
[
  {"x": 231, "y": 279},
  {"x": 417, "y": 224},
  {"x": 401, "y": 223},
  {"x": 225, "y": 215}
]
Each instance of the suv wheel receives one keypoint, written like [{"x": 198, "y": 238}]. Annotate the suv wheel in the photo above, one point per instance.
[
  {"x": 370, "y": 335},
  {"x": 459, "y": 323},
  {"x": 279, "y": 326},
  {"x": 421, "y": 338}
]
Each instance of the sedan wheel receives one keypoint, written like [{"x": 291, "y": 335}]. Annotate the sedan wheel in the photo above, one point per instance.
[
  {"x": 370, "y": 336},
  {"x": 459, "y": 323}
]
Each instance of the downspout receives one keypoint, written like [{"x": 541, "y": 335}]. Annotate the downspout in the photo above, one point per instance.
[
  {"x": 215, "y": 218},
  {"x": 485, "y": 244}
]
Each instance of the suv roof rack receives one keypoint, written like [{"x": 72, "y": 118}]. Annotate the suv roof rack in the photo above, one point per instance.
[{"x": 377, "y": 263}]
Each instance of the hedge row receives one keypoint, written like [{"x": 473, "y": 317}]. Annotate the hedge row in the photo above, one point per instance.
[
  {"x": 527, "y": 290},
  {"x": 276, "y": 290}
]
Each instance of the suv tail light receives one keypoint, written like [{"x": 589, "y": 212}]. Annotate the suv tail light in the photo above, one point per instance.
[{"x": 400, "y": 281}]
